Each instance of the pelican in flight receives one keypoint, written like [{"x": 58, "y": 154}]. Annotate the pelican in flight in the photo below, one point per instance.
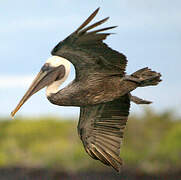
[{"x": 101, "y": 88}]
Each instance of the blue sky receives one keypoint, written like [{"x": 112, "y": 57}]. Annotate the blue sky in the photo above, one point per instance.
[{"x": 148, "y": 33}]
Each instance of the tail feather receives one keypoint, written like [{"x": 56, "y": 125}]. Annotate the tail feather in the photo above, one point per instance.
[{"x": 147, "y": 77}]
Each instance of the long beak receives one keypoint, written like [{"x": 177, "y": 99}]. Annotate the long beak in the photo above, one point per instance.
[{"x": 42, "y": 79}]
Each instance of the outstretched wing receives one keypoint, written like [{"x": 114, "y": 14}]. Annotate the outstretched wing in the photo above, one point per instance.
[
  {"x": 101, "y": 130},
  {"x": 87, "y": 52}
]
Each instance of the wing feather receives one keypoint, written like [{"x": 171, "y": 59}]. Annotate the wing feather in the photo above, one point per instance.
[
  {"x": 86, "y": 49},
  {"x": 107, "y": 157},
  {"x": 94, "y": 25},
  {"x": 103, "y": 29},
  {"x": 101, "y": 129},
  {"x": 88, "y": 20}
]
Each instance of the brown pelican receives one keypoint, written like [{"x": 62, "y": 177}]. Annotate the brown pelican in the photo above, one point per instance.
[{"x": 101, "y": 88}]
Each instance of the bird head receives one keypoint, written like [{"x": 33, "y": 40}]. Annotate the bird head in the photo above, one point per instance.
[{"x": 53, "y": 73}]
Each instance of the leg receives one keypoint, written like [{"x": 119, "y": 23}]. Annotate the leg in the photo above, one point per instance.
[{"x": 138, "y": 100}]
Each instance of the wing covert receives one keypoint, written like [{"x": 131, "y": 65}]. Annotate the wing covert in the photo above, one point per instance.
[
  {"x": 87, "y": 52},
  {"x": 101, "y": 130}
]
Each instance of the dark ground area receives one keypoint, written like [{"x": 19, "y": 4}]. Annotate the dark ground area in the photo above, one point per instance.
[{"x": 43, "y": 174}]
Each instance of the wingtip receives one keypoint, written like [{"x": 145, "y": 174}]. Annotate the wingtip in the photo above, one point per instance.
[
  {"x": 88, "y": 20},
  {"x": 94, "y": 25},
  {"x": 103, "y": 29},
  {"x": 118, "y": 169},
  {"x": 107, "y": 18},
  {"x": 97, "y": 9}
]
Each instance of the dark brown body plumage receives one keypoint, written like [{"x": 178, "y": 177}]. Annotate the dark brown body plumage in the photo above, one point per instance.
[
  {"x": 93, "y": 90},
  {"x": 101, "y": 90}
]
